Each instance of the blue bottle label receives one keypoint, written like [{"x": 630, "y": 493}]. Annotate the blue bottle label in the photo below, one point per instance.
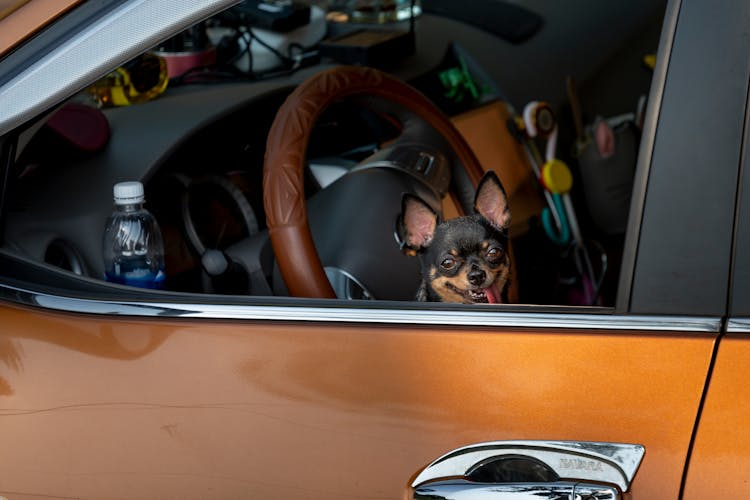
[{"x": 144, "y": 280}]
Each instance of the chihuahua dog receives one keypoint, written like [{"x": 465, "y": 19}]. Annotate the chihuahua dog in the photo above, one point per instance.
[{"x": 463, "y": 259}]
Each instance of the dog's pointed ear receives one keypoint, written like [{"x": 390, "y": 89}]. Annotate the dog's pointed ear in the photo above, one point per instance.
[
  {"x": 418, "y": 223},
  {"x": 490, "y": 201}
]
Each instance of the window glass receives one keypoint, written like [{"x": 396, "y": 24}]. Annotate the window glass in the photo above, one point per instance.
[
  {"x": 548, "y": 100},
  {"x": 740, "y": 294}
]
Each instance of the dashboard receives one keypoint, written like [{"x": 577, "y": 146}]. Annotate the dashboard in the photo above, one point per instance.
[{"x": 199, "y": 151}]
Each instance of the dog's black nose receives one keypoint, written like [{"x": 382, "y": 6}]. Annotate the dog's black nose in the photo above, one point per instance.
[{"x": 476, "y": 277}]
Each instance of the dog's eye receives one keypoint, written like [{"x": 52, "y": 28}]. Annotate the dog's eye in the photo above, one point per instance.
[
  {"x": 493, "y": 253},
  {"x": 448, "y": 263}
]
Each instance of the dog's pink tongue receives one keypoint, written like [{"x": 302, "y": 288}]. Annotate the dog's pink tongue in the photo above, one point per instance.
[{"x": 493, "y": 295}]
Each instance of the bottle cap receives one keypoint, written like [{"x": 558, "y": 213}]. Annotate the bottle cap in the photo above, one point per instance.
[{"x": 128, "y": 192}]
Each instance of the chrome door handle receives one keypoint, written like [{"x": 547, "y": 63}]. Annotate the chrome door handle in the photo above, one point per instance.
[
  {"x": 517, "y": 470},
  {"x": 466, "y": 490}
]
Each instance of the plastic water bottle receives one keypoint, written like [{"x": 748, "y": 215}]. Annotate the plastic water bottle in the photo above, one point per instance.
[{"x": 133, "y": 249}]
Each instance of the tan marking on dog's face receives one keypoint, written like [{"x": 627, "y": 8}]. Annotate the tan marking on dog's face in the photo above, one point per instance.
[
  {"x": 497, "y": 274},
  {"x": 461, "y": 280},
  {"x": 433, "y": 272},
  {"x": 447, "y": 294}
]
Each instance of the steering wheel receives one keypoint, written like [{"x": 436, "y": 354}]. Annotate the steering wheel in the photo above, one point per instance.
[{"x": 283, "y": 170}]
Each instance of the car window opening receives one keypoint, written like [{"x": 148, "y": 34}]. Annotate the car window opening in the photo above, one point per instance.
[{"x": 189, "y": 120}]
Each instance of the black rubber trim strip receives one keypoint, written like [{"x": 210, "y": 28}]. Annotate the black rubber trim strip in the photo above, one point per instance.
[{"x": 7, "y": 159}]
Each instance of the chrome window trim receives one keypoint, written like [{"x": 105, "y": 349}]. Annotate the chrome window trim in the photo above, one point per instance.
[
  {"x": 471, "y": 316},
  {"x": 94, "y": 51},
  {"x": 738, "y": 325}
]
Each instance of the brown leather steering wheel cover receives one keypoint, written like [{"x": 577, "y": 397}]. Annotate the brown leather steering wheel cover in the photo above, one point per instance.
[{"x": 283, "y": 170}]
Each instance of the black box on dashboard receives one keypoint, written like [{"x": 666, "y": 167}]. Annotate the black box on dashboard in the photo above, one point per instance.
[
  {"x": 369, "y": 47},
  {"x": 273, "y": 15}
]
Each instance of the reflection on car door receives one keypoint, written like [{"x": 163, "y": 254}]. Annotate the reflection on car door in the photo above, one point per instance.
[{"x": 330, "y": 402}]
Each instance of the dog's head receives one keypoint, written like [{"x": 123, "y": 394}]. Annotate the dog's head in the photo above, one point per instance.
[{"x": 463, "y": 259}]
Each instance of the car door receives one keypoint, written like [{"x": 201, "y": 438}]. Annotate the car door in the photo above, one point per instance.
[
  {"x": 106, "y": 395},
  {"x": 721, "y": 454},
  {"x": 322, "y": 401}
]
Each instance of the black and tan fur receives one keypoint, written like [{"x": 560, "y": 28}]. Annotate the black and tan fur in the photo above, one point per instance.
[{"x": 465, "y": 259}]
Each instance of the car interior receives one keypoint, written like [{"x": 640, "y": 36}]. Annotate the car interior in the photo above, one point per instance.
[{"x": 549, "y": 95}]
